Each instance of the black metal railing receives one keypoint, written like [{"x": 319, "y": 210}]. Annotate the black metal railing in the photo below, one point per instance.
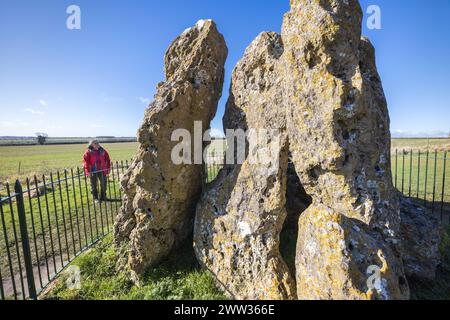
[
  {"x": 214, "y": 162},
  {"x": 46, "y": 223}
]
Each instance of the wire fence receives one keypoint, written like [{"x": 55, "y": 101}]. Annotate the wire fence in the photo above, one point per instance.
[{"x": 48, "y": 221}]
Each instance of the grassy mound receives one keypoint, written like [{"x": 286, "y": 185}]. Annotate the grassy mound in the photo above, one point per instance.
[{"x": 178, "y": 278}]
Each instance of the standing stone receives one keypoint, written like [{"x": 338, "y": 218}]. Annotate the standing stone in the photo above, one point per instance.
[
  {"x": 338, "y": 128},
  {"x": 240, "y": 217},
  {"x": 338, "y": 122},
  {"x": 159, "y": 196}
]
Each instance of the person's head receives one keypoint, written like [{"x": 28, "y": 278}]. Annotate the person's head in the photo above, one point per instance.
[{"x": 94, "y": 144}]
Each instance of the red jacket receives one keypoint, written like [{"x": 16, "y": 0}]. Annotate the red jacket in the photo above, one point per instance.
[{"x": 95, "y": 161}]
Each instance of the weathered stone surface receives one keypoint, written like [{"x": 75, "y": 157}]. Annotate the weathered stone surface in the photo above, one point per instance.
[
  {"x": 160, "y": 197},
  {"x": 338, "y": 122},
  {"x": 240, "y": 217},
  {"x": 330, "y": 181},
  {"x": 336, "y": 253},
  {"x": 338, "y": 129},
  {"x": 420, "y": 234}
]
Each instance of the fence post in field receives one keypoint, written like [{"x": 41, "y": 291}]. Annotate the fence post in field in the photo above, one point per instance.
[
  {"x": 396, "y": 168},
  {"x": 25, "y": 240},
  {"x": 426, "y": 179},
  {"x": 410, "y": 171},
  {"x": 418, "y": 176},
  {"x": 403, "y": 171},
  {"x": 443, "y": 186},
  {"x": 434, "y": 181}
]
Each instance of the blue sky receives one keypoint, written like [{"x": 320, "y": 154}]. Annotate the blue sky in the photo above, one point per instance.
[{"x": 98, "y": 80}]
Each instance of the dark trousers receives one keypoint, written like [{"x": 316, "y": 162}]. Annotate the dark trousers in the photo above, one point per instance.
[{"x": 95, "y": 179}]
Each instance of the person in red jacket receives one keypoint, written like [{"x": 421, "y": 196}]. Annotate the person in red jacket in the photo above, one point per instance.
[{"x": 97, "y": 164}]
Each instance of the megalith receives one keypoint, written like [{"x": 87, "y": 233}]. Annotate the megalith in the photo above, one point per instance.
[
  {"x": 160, "y": 196},
  {"x": 308, "y": 160},
  {"x": 338, "y": 128}
]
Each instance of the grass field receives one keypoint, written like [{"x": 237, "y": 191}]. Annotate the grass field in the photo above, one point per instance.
[{"x": 25, "y": 161}]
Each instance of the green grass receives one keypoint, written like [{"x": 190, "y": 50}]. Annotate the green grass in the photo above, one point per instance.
[
  {"x": 50, "y": 158},
  {"x": 421, "y": 144},
  {"x": 411, "y": 177},
  {"x": 178, "y": 278}
]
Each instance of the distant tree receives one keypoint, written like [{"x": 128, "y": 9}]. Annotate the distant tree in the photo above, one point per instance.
[{"x": 41, "y": 138}]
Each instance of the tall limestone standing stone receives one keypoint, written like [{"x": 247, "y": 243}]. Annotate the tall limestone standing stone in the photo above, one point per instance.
[
  {"x": 240, "y": 217},
  {"x": 338, "y": 128},
  {"x": 159, "y": 196}
]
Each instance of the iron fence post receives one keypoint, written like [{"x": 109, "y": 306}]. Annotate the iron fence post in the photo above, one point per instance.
[
  {"x": 434, "y": 181},
  {"x": 25, "y": 240},
  {"x": 426, "y": 179},
  {"x": 443, "y": 186},
  {"x": 396, "y": 168},
  {"x": 2, "y": 291}
]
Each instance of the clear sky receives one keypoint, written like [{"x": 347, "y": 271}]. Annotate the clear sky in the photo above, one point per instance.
[{"x": 98, "y": 80}]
